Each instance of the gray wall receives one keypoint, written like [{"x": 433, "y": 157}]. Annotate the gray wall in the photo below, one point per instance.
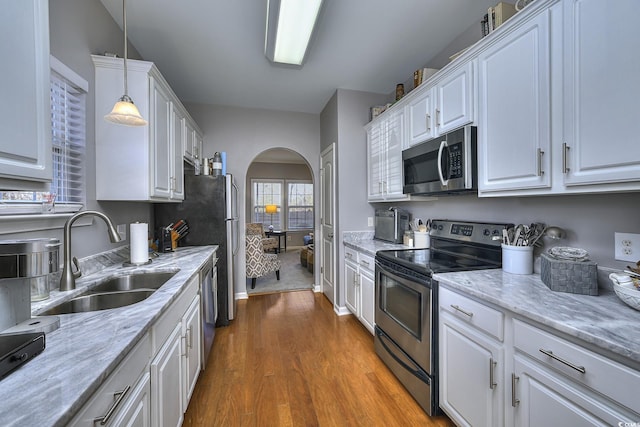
[
  {"x": 244, "y": 133},
  {"x": 79, "y": 28},
  {"x": 261, "y": 170},
  {"x": 589, "y": 220},
  {"x": 342, "y": 121}
]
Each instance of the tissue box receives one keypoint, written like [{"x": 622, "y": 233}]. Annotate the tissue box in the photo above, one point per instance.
[{"x": 575, "y": 277}]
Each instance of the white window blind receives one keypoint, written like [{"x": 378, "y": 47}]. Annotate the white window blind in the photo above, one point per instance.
[
  {"x": 68, "y": 131},
  {"x": 300, "y": 205}
]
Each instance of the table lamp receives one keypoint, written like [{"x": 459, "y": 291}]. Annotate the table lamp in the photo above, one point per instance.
[{"x": 271, "y": 209}]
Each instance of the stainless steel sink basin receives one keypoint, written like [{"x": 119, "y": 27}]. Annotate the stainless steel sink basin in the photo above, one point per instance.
[
  {"x": 115, "y": 292},
  {"x": 132, "y": 282},
  {"x": 100, "y": 301}
]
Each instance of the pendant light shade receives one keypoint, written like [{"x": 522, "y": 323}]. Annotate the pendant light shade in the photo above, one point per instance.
[{"x": 125, "y": 111}]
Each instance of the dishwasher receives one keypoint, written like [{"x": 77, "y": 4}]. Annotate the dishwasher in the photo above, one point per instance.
[{"x": 208, "y": 305}]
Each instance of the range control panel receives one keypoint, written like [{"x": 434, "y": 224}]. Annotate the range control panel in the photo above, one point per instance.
[{"x": 478, "y": 232}]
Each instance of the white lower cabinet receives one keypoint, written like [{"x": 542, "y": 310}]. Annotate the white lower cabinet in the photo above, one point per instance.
[
  {"x": 125, "y": 389},
  {"x": 531, "y": 378},
  {"x": 471, "y": 365},
  {"x": 153, "y": 384},
  {"x": 359, "y": 286},
  {"x": 167, "y": 382}
]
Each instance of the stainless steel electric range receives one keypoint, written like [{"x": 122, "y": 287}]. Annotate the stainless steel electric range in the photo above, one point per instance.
[{"x": 406, "y": 316}]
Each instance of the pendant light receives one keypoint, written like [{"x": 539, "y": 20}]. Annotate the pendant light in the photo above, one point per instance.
[{"x": 125, "y": 111}]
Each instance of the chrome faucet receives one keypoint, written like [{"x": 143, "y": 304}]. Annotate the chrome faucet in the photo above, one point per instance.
[{"x": 68, "y": 279}]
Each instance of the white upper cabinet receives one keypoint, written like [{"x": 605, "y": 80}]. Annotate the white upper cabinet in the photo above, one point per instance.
[
  {"x": 384, "y": 157},
  {"x": 454, "y": 103},
  {"x": 557, "y": 100},
  {"x": 514, "y": 112},
  {"x": 25, "y": 117},
  {"x": 420, "y": 123},
  {"x": 440, "y": 107},
  {"x": 140, "y": 163},
  {"x": 601, "y": 91}
]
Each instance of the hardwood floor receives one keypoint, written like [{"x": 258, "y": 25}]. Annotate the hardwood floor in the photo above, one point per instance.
[{"x": 288, "y": 360}]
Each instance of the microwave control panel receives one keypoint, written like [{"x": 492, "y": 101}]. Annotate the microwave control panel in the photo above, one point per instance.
[{"x": 455, "y": 160}]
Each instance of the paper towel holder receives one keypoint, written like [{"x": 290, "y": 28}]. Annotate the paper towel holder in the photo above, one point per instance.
[{"x": 136, "y": 264}]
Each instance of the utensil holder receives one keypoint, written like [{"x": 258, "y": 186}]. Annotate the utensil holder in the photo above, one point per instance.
[
  {"x": 421, "y": 239},
  {"x": 517, "y": 259}
]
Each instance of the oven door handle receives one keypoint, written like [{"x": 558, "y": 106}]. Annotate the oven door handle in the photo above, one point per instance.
[{"x": 415, "y": 369}]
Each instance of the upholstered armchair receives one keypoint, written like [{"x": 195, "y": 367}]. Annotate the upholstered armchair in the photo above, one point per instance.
[
  {"x": 258, "y": 262},
  {"x": 268, "y": 243}
]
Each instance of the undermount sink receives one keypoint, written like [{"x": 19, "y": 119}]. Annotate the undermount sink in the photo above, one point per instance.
[
  {"x": 115, "y": 292},
  {"x": 132, "y": 282}
]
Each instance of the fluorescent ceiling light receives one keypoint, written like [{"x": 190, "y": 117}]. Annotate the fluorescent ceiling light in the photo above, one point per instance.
[{"x": 290, "y": 24}]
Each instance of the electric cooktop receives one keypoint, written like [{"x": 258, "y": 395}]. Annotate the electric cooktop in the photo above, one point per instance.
[{"x": 18, "y": 349}]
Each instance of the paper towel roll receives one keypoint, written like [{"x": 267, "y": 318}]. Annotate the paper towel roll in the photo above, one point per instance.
[{"x": 139, "y": 247}]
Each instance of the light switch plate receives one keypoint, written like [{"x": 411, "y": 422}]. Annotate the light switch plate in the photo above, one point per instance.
[
  {"x": 369, "y": 221},
  {"x": 627, "y": 247}
]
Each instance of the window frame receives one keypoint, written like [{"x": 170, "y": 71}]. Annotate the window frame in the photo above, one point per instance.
[
  {"x": 288, "y": 205},
  {"x": 283, "y": 207}
]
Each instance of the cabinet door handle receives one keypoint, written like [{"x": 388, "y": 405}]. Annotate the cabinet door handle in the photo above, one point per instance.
[
  {"x": 349, "y": 255},
  {"x": 466, "y": 313},
  {"x": 437, "y": 117},
  {"x": 540, "y": 154},
  {"x": 119, "y": 396},
  {"x": 190, "y": 336},
  {"x": 565, "y": 150},
  {"x": 514, "y": 402},
  {"x": 428, "y": 116},
  {"x": 549, "y": 353},
  {"x": 492, "y": 368}
]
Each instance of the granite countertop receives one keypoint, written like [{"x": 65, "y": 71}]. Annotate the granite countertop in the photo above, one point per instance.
[
  {"x": 80, "y": 355},
  {"x": 363, "y": 241},
  {"x": 603, "y": 321}
]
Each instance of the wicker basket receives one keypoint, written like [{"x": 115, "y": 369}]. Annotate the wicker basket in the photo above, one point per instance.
[{"x": 576, "y": 277}]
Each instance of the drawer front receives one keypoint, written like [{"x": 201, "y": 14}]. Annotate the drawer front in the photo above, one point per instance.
[
  {"x": 487, "y": 319},
  {"x": 612, "y": 379},
  {"x": 366, "y": 261},
  {"x": 125, "y": 375},
  {"x": 350, "y": 255}
]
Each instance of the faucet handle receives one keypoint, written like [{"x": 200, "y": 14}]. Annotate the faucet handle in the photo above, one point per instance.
[{"x": 77, "y": 273}]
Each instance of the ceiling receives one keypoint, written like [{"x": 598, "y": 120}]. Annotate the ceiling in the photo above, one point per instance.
[{"x": 212, "y": 51}]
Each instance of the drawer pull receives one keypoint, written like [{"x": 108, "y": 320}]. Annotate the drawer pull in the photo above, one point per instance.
[
  {"x": 514, "y": 402},
  {"x": 492, "y": 368},
  {"x": 549, "y": 353},
  {"x": 365, "y": 263},
  {"x": 119, "y": 395},
  {"x": 466, "y": 313}
]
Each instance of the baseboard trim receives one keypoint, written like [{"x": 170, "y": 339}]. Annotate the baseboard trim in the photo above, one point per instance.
[
  {"x": 341, "y": 311},
  {"x": 242, "y": 295}
]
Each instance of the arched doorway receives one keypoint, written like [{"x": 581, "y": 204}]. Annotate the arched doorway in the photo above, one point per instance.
[{"x": 279, "y": 195}]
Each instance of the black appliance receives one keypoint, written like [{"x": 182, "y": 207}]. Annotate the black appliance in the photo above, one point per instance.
[
  {"x": 17, "y": 349},
  {"x": 444, "y": 165},
  {"x": 210, "y": 208},
  {"x": 406, "y": 312}
]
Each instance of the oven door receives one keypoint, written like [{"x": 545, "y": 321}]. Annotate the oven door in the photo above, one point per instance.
[{"x": 404, "y": 312}]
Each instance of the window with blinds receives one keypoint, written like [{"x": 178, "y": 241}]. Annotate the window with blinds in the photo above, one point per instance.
[{"x": 68, "y": 136}]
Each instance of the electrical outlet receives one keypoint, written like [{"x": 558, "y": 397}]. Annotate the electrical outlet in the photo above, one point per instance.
[
  {"x": 627, "y": 247},
  {"x": 288, "y": 238},
  {"x": 122, "y": 231},
  {"x": 369, "y": 221}
]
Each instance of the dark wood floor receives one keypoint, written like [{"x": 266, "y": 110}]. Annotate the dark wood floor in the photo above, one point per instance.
[{"x": 288, "y": 360}]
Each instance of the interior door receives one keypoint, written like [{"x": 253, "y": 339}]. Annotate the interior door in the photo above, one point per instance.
[{"x": 327, "y": 223}]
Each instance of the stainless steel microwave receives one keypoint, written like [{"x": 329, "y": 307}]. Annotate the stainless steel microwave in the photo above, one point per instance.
[{"x": 444, "y": 165}]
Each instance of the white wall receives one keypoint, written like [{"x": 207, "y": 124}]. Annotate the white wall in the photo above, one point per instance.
[{"x": 244, "y": 133}]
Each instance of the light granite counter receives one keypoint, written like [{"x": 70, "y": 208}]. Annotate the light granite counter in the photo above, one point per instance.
[
  {"x": 80, "y": 355},
  {"x": 363, "y": 241},
  {"x": 603, "y": 321}
]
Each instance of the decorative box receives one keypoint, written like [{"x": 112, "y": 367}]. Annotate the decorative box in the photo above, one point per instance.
[{"x": 575, "y": 277}]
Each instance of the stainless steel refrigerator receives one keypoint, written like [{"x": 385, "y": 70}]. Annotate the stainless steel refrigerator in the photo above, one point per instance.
[{"x": 210, "y": 208}]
